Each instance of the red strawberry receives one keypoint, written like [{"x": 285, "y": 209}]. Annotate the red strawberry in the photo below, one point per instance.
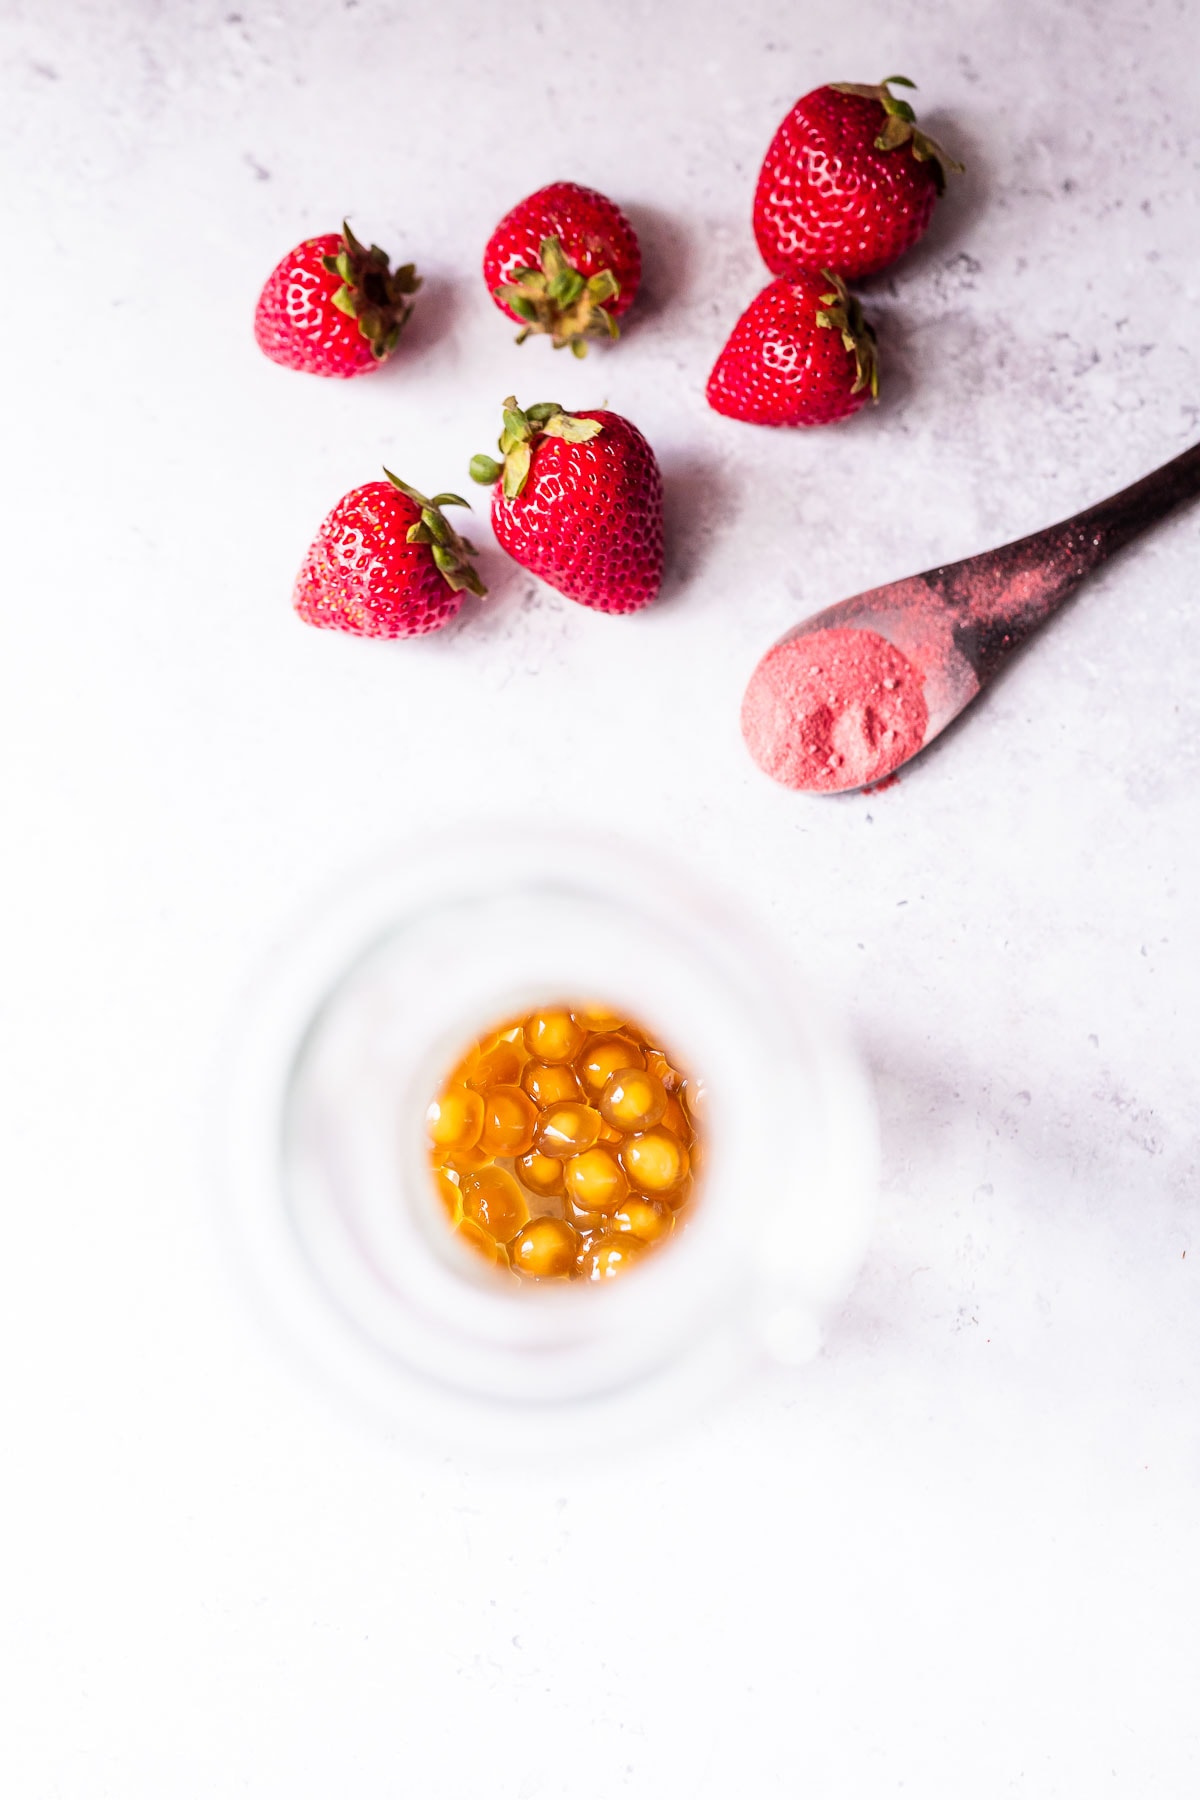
[
  {"x": 332, "y": 307},
  {"x": 386, "y": 564},
  {"x": 801, "y": 354},
  {"x": 565, "y": 261},
  {"x": 849, "y": 182},
  {"x": 580, "y": 504}
]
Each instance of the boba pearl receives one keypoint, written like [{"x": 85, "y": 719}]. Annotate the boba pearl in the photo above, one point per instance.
[
  {"x": 449, "y": 1195},
  {"x": 509, "y": 1122},
  {"x": 461, "y": 1162},
  {"x": 695, "y": 1098},
  {"x": 564, "y": 1145},
  {"x": 633, "y": 1100},
  {"x": 601, "y": 1060},
  {"x": 646, "y": 1220},
  {"x": 609, "y": 1255},
  {"x": 454, "y": 1120},
  {"x": 595, "y": 1181},
  {"x": 547, "y": 1083},
  {"x": 481, "y": 1241},
  {"x": 675, "y": 1119},
  {"x": 586, "y": 1223},
  {"x": 679, "y": 1197},
  {"x": 494, "y": 1201},
  {"x": 568, "y": 1130},
  {"x": 542, "y": 1175},
  {"x": 501, "y": 1067},
  {"x": 544, "y": 1247},
  {"x": 598, "y": 1018},
  {"x": 553, "y": 1036},
  {"x": 655, "y": 1162},
  {"x": 659, "y": 1065}
]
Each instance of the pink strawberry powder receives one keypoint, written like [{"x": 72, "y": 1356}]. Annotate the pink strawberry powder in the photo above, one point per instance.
[{"x": 833, "y": 709}]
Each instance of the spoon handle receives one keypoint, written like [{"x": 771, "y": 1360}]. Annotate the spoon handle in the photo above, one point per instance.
[{"x": 1005, "y": 594}]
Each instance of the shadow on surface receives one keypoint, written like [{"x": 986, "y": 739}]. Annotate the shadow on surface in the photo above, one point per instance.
[
  {"x": 700, "y": 500},
  {"x": 666, "y": 264},
  {"x": 436, "y": 312}
]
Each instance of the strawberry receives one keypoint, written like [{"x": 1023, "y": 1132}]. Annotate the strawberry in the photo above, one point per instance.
[
  {"x": 386, "y": 564},
  {"x": 578, "y": 502},
  {"x": 849, "y": 182},
  {"x": 565, "y": 261},
  {"x": 801, "y": 354},
  {"x": 332, "y": 307}
]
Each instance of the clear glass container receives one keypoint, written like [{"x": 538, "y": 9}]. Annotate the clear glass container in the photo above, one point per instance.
[{"x": 353, "y": 1028}]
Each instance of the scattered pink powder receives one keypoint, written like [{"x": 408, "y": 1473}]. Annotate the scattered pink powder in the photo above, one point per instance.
[{"x": 833, "y": 709}]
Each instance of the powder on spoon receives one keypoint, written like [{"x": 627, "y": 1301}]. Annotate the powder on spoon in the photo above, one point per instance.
[{"x": 834, "y": 709}]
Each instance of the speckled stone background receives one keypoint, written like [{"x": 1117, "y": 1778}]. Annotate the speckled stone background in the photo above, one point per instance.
[{"x": 957, "y": 1555}]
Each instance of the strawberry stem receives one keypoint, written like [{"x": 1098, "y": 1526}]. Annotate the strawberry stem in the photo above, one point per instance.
[
  {"x": 379, "y": 300},
  {"x": 842, "y": 313},
  {"x": 555, "y": 299},
  {"x": 451, "y": 553},
  {"x": 522, "y": 428},
  {"x": 900, "y": 125}
]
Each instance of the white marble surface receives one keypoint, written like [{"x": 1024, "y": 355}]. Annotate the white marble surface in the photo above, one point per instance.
[{"x": 958, "y": 1554}]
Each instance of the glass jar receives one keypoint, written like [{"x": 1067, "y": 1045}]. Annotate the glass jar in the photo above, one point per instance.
[{"x": 348, "y": 1039}]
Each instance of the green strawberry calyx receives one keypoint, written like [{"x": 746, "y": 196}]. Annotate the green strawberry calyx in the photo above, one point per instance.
[
  {"x": 451, "y": 553},
  {"x": 556, "y": 299},
  {"x": 842, "y": 313},
  {"x": 376, "y": 298},
  {"x": 522, "y": 428},
  {"x": 900, "y": 125}
]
